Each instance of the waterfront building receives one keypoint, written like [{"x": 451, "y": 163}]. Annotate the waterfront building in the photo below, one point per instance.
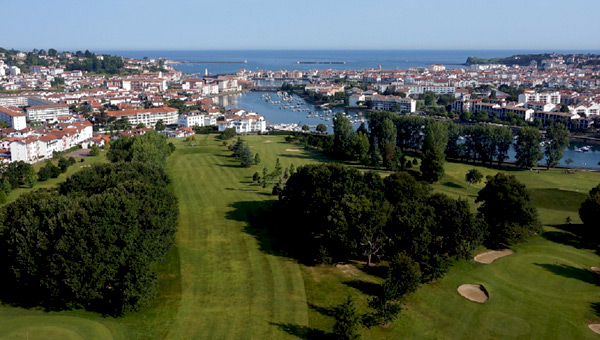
[
  {"x": 243, "y": 123},
  {"x": 196, "y": 118}
]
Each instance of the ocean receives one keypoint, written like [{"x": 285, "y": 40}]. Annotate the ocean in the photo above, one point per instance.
[{"x": 287, "y": 59}]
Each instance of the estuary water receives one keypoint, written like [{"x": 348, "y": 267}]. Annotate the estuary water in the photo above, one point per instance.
[{"x": 277, "y": 113}]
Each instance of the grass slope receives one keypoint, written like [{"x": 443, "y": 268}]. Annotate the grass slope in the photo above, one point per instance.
[
  {"x": 230, "y": 288},
  {"x": 222, "y": 282}
]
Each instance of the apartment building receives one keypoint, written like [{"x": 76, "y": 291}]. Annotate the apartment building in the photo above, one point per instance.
[{"x": 149, "y": 117}]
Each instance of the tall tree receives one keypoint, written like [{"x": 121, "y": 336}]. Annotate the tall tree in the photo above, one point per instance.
[
  {"x": 589, "y": 212},
  {"x": 557, "y": 139},
  {"x": 246, "y": 158},
  {"x": 343, "y": 136},
  {"x": 507, "y": 209},
  {"x": 361, "y": 148},
  {"x": 527, "y": 147},
  {"x": 434, "y": 147}
]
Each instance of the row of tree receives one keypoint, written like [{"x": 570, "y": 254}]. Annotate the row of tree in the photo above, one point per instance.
[{"x": 390, "y": 136}]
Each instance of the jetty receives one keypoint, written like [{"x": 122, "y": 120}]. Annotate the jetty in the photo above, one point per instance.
[
  {"x": 175, "y": 62},
  {"x": 322, "y": 62}
]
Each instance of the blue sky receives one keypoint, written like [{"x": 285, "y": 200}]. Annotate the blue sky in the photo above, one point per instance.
[{"x": 300, "y": 24}]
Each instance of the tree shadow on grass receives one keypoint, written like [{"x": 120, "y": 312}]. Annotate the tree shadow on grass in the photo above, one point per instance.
[
  {"x": 270, "y": 227},
  {"x": 595, "y": 308},
  {"x": 304, "y": 332},
  {"x": 322, "y": 310},
  {"x": 571, "y": 235},
  {"x": 378, "y": 270},
  {"x": 368, "y": 288},
  {"x": 584, "y": 275},
  {"x": 453, "y": 185}
]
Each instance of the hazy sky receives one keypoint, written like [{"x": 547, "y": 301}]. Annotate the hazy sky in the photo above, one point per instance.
[{"x": 300, "y": 24}]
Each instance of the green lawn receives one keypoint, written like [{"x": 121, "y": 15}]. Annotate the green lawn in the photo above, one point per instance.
[{"x": 221, "y": 282}]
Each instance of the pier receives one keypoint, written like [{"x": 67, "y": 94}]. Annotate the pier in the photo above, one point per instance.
[{"x": 175, "y": 62}]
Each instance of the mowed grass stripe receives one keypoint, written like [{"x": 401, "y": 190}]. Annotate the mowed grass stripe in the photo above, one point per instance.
[{"x": 231, "y": 289}]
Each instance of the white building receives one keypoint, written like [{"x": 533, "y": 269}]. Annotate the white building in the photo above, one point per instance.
[
  {"x": 149, "y": 117},
  {"x": 196, "y": 119},
  {"x": 543, "y": 97},
  {"x": 47, "y": 113},
  {"x": 388, "y": 103},
  {"x": 14, "y": 71},
  {"x": 248, "y": 123},
  {"x": 15, "y": 120},
  {"x": 420, "y": 89}
]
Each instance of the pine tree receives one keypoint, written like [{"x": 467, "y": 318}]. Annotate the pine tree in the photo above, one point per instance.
[
  {"x": 247, "y": 159},
  {"x": 347, "y": 321},
  {"x": 257, "y": 159}
]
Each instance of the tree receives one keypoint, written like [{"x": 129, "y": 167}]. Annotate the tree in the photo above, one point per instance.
[
  {"x": 385, "y": 303},
  {"x": 94, "y": 150},
  {"x": 374, "y": 153},
  {"x": 292, "y": 169},
  {"x": 589, "y": 212},
  {"x": 238, "y": 148},
  {"x": 228, "y": 133},
  {"x": 361, "y": 148},
  {"x": 160, "y": 125},
  {"x": 527, "y": 147},
  {"x": 256, "y": 177},
  {"x": 150, "y": 147},
  {"x": 19, "y": 173},
  {"x": 473, "y": 176},
  {"x": 257, "y": 158},
  {"x": 434, "y": 147},
  {"x": 265, "y": 177},
  {"x": 247, "y": 159},
  {"x": 321, "y": 128},
  {"x": 305, "y": 127},
  {"x": 347, "y": 321},
  {"x": 557, "y": 139},
  {"x": 404, "y": 273},
  {"x": 343, "y": 136},
  {"x": 507, "y": 209},
  {"x": 277, "y": 172},
  {"x": 108, "y": 226}
]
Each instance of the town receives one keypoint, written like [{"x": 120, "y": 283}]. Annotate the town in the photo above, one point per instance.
[{"x": 53, "y": 102}]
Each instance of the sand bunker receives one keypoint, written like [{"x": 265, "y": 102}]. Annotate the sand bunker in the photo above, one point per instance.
[
  {"x": 595, "y": 269},
  {"x": 595, "y": 327},
  {"x": 267, "y": 141},
  {"x": 293, "y": 150},
  {"x": 474, "y": 292},
  {"x": 491, "y": 256}
]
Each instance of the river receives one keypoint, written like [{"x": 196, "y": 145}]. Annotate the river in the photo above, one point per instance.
[{"x": 278, "y": 114}]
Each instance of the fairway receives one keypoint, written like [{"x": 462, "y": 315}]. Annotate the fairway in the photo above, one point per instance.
[{"x": 222, "y": 282}]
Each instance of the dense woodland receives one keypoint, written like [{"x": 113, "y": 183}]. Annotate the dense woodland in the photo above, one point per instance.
[{"x": 94, "y": 241}]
